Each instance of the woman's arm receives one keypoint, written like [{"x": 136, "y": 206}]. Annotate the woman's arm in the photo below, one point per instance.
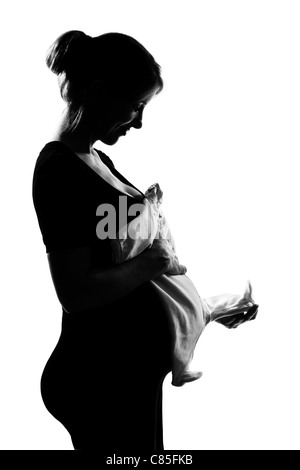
[{"x": 80, "y": 287}]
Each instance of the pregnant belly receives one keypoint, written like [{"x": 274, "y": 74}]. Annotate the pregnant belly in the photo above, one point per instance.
[{"x": 105, "y": 359}]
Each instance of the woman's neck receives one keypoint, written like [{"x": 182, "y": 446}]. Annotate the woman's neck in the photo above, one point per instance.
[{"x": 78, "y": 140}]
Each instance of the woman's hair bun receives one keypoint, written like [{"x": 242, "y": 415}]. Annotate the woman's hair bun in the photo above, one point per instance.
[{"x": 68, "y": 53}]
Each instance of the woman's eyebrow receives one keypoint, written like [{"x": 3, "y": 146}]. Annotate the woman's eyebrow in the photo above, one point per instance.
[
  {"x": 145, "y": 102},
  {"x": 141, "y": 103}
]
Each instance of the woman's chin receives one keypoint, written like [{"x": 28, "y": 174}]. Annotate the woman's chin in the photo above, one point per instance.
[
  {"x": 110, "y": 140},
  {"x": 113, "y": 137}
]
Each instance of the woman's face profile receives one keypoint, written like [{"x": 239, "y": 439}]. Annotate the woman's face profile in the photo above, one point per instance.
[{"x": 114, "y": 117}]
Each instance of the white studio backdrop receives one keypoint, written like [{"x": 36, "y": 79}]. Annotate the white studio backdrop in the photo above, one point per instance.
[{"x": 222, "y": 140}]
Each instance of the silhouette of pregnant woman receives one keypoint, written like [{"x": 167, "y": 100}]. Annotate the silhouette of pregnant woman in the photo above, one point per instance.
[{"x": 104, "y": 379}]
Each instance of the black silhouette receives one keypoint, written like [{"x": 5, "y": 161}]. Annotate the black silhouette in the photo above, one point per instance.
[{"x": 104, "y": 379}]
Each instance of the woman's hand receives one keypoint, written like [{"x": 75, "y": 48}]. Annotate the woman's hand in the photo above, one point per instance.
[
  {"x": 159, "y": 259},
  {"x": 233, "y": 321}
]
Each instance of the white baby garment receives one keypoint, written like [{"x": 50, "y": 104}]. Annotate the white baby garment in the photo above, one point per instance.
[{"x": 187, "y": 313}]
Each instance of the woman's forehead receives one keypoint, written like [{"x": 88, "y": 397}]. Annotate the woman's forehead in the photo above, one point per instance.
[{"x": 145, "y": 97}]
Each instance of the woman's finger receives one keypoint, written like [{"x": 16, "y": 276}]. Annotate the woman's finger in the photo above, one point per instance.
[{"x": 182, "y": 269}]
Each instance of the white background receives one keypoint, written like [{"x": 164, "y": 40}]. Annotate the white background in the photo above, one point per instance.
[{"x": 223, "y": 141}]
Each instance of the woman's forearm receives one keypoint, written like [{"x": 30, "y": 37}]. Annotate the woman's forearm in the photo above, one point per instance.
[
  {"x": 102, "y": 287},
  {"x": 80, "y": 287}
]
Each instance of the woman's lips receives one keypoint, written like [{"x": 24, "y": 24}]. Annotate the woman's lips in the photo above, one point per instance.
[{"x": 124, "y": 130}]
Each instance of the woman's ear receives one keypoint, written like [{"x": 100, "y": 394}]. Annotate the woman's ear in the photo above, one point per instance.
[{"x": 97, "y": 92}]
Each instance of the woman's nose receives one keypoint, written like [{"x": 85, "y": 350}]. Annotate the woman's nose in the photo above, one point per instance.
[{"x": 138, "y": 120}]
